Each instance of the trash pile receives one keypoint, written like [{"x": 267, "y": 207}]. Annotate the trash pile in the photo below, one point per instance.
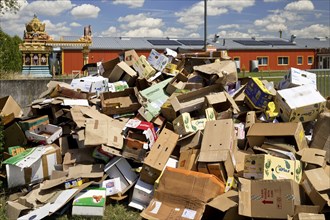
[{"x": 178, "y": 136}]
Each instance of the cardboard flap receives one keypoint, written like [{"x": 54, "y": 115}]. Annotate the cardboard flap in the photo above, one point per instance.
[
  {"x": 86, "y": 171},
  {"x": 218, "y": 137},
  {"x": 225, "y": 201},
  {"x": 48, "y": 184},
  {"x": 319, "y": 179},
  {"x": 14, "y": 209},
  {"x": 312, "y": 156}
]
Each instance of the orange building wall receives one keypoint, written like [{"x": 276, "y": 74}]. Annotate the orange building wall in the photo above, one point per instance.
[
  {"x": 73, "y": 59},
  {"x": 246, "y": 56}
]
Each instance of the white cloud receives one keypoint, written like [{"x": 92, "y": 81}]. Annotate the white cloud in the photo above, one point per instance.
[
  {"x": 75, "y": 24},
  {"x": 315, "y": 30},
  {"x": 110, "y": 32},
  {"x": 140, "y": 20},
  {"x": 85, "y": 11},
  {"x": 57, "y": 30},
  {"x": 272, "y": 0},
  {"x": 130, "y": 3},
  {"x": 233, "y": 34},
  {"x": 144, "y": 32},
  {"x": 301, "y": 5},
  {"x": 50, "y": 8},
  {"x": 229, "y": 26}
]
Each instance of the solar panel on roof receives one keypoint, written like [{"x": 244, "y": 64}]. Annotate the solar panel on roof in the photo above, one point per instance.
[
  {"x": 192, "y": 42},
  {"x": 164, "y": 42},
  {"x": 278, "y": 42},
  {"x": 251, "y": 42}
]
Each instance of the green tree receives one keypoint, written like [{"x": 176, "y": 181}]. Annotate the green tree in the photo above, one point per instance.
[
  {"x": 10, "y": 56},
  {"x": 9, "y": 5}
]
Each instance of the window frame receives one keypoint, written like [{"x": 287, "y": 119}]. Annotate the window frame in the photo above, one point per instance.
[
  {"x": 308, "y": 63},
  {"x": 261, "y": 58},
  {"x": 239, "y": 58},
  {"x": 283, "y": 64},
  {"x": 302, "y": 60}
]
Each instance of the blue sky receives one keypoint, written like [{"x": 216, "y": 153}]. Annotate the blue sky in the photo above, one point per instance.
[{"x": 175, "y": 18}]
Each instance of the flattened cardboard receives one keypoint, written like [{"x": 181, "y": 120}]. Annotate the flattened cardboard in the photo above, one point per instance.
[
  {"x": 120, "y": 102},
  {"x": 258, "y": 197},
  {"x": 292, "y": 132},
  {"x": 176, "y": 184},
  {"x": 309, "y": 216},
  {"x": 302, "y": 103},
  {"x": 225, "y": 201},
  {"x": 86, "y": 171},
  {"x": 8, "y": 105},
  {"x": 14, "y": 209},
  {"x": 155, "y": 162}
]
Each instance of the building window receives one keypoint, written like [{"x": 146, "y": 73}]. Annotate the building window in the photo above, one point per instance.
[
  {"x": 236, "y": 59},
  {"x": 262, "y": 61},
  {"x": 283, "y": 60},
  {"x": 299, "y": 60},
  {"x": 310, "y": 60}
]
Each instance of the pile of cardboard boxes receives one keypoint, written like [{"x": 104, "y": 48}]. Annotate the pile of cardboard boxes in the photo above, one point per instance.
[{"x": 175, "y": 136}]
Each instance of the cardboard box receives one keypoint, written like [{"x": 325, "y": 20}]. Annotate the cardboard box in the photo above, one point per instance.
[
  {"x": 184, "y": 124},
  {"x": 191, "y": 141},
  {"x": 142, "y": 195},
  {"x": 258, "y": 93},
  {"x": 302, "y": 103},
  {"x": 32, "y": 165},
  {"x": 44, "y": 134},
  {"x": 123, "y": 72},
  {"x": 120, "y": 102},
  {"x": 118, "y": 86},
  {"x": 143, "y": 128},
  {"x": 266, "y": 167},
  {"x": 321, "y": 134},
  {"x": 218, "y": 147},
  {"x": 91, "y": 84},
  {"x": 33, "y": 123},
  {"x": 289, "y": 133},
  {"x": 297, "y": 77},
  {"x": 225, "y": 71},
  {"x": 130, "y": 57},
  {"x": 89, "y": 202},
  {"x": 313, "y": 156},
  {"x": 157, "y": 60},
  {"x": 112, "y": 186},
  {"x": 221, "y": 102},
  {"x": 194, "y": 100},
  {"x": 143, "y": 67},
  {"x": 196, "y": 189},
  {"x": 317, "y": 187},
  {"x": 188, "y": 159},
  {"x": 178, "y": 82},
  {"x": 158, "y": 156},
  {"x": 308, "y": 216},
  {"x": 268, "y": 198},
  {"x": 119, "y": 167},
  {"x": 152, "y": 100},
  {"x": 8, "y": 105}
]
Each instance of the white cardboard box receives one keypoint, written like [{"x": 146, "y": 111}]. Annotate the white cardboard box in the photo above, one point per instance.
[
  {"x": 142, "y": 195},
  {"x": 89, "y": 202},
  {"x": 302, "y": 103},
  {"x": 44, "y": 134},
  {"x": 112, "y": 186},
  {"x": 119, "y": 167},
  {"x": 297, "y": 77},
  {"x": 91, "y": 84},
  {"x": 32, "y": 165}
]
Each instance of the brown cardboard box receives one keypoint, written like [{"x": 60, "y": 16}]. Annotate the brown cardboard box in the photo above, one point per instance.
[
  {"x": 321, "y": 134},
  {"x": 221, "y": 102},
  {"x": 182, "y": 194},
  {"x": 33, "y": 123},
  {"x": 130, "y": 57},
  {"x": 124, "y": 72},
  {"x": 188, "y": 159},
  {"x": 292, "y": 133},
  {"x": 191, "y": 141},
  {"x": 8, "y": 105},
  {"x": 120, "y": 102},
  {"x": 316, "y": 184},
  {"x": 219, "y": 145},
  {"x": 307, "y": 216},
  {"x": 268, "y": 198},
  {"x": 14, "y": 136},
  {"x": 313, "y": 156},
  {"x": 158, "y": 156},
  {"x": 178, "y": 82},
  {"x": 109, "y": 66}
]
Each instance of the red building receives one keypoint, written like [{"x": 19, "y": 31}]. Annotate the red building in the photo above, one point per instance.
[{"x": 249, "y": 54}]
